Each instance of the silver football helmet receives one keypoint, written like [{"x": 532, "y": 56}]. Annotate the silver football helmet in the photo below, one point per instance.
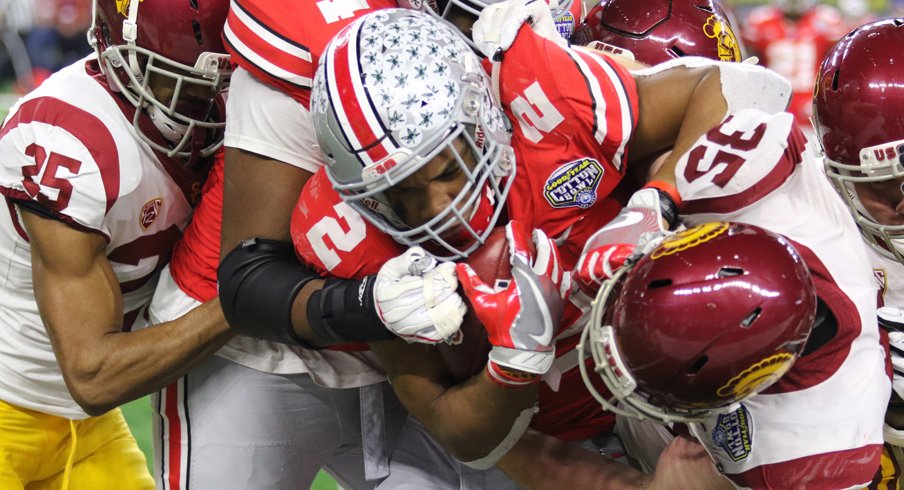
[{"x": 392, "y": 91}]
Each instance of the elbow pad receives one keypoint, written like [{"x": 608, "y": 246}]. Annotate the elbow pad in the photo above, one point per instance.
[
  {"x": 744, "y": 86},
  {"x": 258, "y": 282}
]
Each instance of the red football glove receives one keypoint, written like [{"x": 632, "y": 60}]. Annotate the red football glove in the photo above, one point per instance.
[
  {"x": 599, "y": 264},
  {"x": 522, "y": 319}
]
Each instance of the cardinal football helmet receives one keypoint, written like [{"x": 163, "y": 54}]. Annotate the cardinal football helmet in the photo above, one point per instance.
[
  {"x": 858, "y": 115},
  {"x": 659, "y": 31},
  {"x": 393, "y": 90},
  {"x": 179, "y": 40},
  {"x": 710, "y": 317}
]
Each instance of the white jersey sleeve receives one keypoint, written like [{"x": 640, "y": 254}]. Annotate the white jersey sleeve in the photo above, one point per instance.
[
  {"x": 66, "y": 157},
  {"x": 821, "y": 423},
  {"x": 266, "y": 121}
]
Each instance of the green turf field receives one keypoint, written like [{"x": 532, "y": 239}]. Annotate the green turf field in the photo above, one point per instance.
[{"x": 138, "y": 414}]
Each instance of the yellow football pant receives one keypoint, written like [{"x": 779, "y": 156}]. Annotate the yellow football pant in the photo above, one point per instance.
[{"x": 42, "y": 451}]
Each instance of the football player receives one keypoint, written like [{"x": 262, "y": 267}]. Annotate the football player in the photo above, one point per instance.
[
  {"x": 752, "y": 168},
  {"x": 861, "y": 134},
  {"x": 100, "y": 171},
  {"x": 297, "y": 407},
  {"x": 563, "y": 194}
]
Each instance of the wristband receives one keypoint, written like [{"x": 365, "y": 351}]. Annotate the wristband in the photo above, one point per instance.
[{"x": 508, "y": 378}]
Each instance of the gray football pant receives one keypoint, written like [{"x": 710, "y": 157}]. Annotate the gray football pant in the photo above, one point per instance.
[{"x": 225, "y": 426}]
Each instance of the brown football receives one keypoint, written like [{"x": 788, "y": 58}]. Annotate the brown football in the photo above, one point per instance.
[{"x": 491, "y": 263}]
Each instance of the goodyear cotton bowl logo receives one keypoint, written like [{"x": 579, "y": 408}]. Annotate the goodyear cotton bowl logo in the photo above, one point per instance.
[
  {"x": 565, "y": 24},
  {"x": 574, "y": 184},
  {"x": 762, "y": 373},
  {"x": 689, "y": 238},
  {"x": 726, "y": 42},
  {"x": 733, "y": 433}
]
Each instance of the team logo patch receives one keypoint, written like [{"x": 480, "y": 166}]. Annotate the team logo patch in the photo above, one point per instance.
[
  {"x": 733, "y": 433},
  {"x": 122, "y": 6},
  {"x": 565, "y": 24},
  {"x": 726, "y": 42},
  {"x": 574, "y": 184},
  {"x": 689, "y": 238},
  {"x": 762, "y": 373},
  {"x": 149, "y": 212}
]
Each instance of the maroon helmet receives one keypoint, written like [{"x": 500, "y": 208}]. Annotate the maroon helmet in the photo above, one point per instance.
[
  {"x": 179, "y": 40},
  {"x": 858, "y": 115},
  {"x": 710, "y": 317},
  {"x": 659, "y": 31}
]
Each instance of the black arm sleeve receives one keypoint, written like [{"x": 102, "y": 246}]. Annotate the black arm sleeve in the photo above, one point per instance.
[{"x": 258, "y": 282}]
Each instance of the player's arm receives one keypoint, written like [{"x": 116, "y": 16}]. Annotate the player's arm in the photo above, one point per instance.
[
  {"x": 679, "y": 102},
  {"x": 80, "y": 302},
  {"x": 539, "y": 461},
  {"x": 469, "y": 419}
]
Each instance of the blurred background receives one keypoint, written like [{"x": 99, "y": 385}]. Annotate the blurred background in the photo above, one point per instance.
[{"x": 38, "y": 37}]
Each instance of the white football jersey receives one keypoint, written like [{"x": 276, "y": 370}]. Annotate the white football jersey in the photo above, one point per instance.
[
  {"x": 70, "y": 147},
  {"x": 811, "y": 427}
]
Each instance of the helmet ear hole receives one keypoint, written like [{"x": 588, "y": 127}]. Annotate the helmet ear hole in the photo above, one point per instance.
[
  {"x": 197, "y": 28},
  {"x": 752, "y": 317},
  {"x": 677, "y": 51},
  {"x": 730, "y": 272},
  {"x": 835, "y": 80},
  {"x": 697, "y": 365}
]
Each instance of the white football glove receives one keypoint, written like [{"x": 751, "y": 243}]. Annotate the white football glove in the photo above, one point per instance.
[
  {"x": 498, "y": 24},
  {"x": 416, "y": 298}
]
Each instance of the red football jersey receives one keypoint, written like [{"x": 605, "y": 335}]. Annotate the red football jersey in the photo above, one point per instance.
[{"x": 280, "y": 41}]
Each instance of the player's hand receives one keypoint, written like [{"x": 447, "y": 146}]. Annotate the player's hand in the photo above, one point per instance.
[
  {"x": 636, "y": 230},
  {"x": 417, "y": 298},
  {"x": 684, "y": 463},
  {"x": 521, "y": 319},
  {"x": 498, "y": 24},
  {"x": 599, "y": 264}
]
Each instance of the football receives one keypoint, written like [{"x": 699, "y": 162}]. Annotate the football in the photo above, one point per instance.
[{"x": 491, "y": 263}]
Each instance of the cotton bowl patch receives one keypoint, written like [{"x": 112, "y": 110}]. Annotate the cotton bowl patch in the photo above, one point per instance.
[
  {"x": 733, "y": 433},
  {"x": 574, "y": 184}
]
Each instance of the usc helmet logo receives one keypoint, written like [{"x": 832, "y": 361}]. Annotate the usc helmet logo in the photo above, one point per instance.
[
  {"x": 726, "y": 42},
  {"x": 688, "y": 238}
]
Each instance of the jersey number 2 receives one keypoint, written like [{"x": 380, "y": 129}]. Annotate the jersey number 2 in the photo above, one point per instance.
[{"x": 343, "y": 240}]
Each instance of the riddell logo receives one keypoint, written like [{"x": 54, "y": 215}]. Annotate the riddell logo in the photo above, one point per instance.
[{"x": 149, "y": 212}]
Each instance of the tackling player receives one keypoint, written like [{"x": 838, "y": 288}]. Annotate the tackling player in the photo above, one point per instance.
[
  {"x": 861, "y": 131},
  {"x": 753, "y": 168},
  {"x": 100, "y": 168}
]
